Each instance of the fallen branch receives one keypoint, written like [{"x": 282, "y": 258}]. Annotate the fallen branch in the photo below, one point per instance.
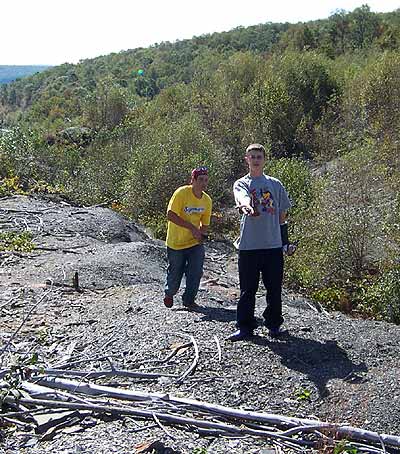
[
  {"x": 193, "y": 366},
  {"x": 228, "y": 412},
  {"x": 174, "y": 352},
  {"x": 162, "y": 427},
  {"x": 80, "y": 361},
  {"x": 46, "y": 248},
  {"x": 172, "y": 419},
  {"x": 102, "y": 373},
  {"x": 11, "y": 300},
  {"x": 218, "y": 348}
]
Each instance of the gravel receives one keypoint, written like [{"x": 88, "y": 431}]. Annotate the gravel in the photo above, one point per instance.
[{"x": 326, "y": 365}]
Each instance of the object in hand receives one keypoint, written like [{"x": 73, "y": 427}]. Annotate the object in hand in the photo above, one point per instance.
[{"x": 290, "y": 248}]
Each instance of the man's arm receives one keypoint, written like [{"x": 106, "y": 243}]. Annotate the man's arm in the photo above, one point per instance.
[
  {"x": 242, "y": 199},
  {"x": 173, "y": 217}
]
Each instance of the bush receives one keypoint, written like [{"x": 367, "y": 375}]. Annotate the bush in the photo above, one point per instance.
[
  {"x": 288, "y": 97},
  {"x": 98, "y": 173},
  {"x": 11, "y": 185},
  {"x": 296, "y": 177},
  {"x": 17, "y": 153},
  {"x": 381, "y": 298},
  {"x": 163, "y": 162},
  {"x": 342, "y": 232},
  {"x": 14, "y": 241}
]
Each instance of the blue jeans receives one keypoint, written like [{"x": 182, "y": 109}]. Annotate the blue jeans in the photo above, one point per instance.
[
  {"x": 185, "y": 261},
  {"x": 268, "y": 263}
]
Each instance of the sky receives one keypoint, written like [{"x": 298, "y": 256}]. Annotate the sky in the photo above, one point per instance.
[{"x": 52, "y": 32}]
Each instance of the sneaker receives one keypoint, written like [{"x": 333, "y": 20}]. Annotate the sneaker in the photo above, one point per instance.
[
  {"x": 275, "y": 332},
  {"x": 168, "y": 301},
  {"x": 240, "y": 334}
]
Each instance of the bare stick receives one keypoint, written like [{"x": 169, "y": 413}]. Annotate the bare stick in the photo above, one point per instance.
[
  {"x": 162, "y": 427},
  {"x": 102, "y": 373},
  {"x": 218, "y": 347},
  {"x": 75, "y": 281},
  {"x": 79, "y": 361},
  {"x": 227, "y": 428},
  {"x": 11, "y": 300},
  {"x": 193, "y": 366},
  {"x": 170, "y": 356}
]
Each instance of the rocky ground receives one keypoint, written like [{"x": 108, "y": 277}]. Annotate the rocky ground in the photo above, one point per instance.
[{"x": 326, "y": 365}]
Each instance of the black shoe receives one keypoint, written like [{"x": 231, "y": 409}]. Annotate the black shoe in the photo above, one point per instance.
[
  {"x": 240, "y": 334},
  {"x": 275, "y": 332}
]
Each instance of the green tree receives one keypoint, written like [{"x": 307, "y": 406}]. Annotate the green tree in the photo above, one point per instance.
[
  {"x": 364, "y": 27},
  {"x": 338, "y": 31},
  {"x": 106, "y": 107}
]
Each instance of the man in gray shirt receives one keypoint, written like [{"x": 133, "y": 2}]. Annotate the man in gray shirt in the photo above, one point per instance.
[{"x": 263, "y": 202}]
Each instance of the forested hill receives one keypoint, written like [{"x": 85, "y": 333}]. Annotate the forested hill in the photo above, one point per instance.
[
  {"x": 168, "y": 63},
  {"x": 323, "y": 97},
  {"x": 13, "y": 72}
]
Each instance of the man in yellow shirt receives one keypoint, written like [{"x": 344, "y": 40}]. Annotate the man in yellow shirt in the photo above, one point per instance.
[{"x": 188, "y": 214}]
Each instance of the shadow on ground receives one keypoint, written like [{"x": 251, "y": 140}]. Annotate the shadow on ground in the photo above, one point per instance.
[
  {"x": 320, "y": 361},
  {"x": 218, "y": 314}
]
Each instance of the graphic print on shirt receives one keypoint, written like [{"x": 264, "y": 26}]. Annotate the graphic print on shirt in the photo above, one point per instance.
[
  {"x": 262, "y": 200},
  {"x": 193, "y": 210}
]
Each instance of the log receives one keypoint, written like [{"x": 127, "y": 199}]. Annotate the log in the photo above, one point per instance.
[
  {"x": 343, "y": 431},
  {"x": 149, "y": 414}
]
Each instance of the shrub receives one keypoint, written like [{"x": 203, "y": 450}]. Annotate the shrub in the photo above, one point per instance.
[
  {"x": 98, "y": 174},
  {"x": 11, "y": 185},
  {"x": 296, "y": 177},
  {"x": 342, "y": 232},
  {"x": 382, "y": 298},
  {"x": 163, "y": 162},
  {"x": 17, "y": 153},
  {"x": 14, "y": 241}
]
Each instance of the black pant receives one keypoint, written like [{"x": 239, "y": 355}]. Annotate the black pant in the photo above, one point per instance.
[{"x": 268, "y": 262}]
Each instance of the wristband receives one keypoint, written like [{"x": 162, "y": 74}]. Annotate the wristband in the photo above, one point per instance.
[{"x": 284, "y": 234}]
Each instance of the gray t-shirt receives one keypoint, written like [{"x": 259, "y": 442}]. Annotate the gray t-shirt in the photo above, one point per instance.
[{"x": 268, "y": 198}]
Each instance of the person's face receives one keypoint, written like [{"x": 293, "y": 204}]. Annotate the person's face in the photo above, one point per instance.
[
  {"x": 255, "y": 159},
  {"x": 200, "y": 183}
]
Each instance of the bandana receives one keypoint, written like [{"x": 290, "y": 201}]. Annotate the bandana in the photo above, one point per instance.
[{"x": 199, "y": 171}]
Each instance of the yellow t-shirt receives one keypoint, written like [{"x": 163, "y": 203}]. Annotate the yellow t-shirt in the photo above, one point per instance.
[{"x": 196, "y": 211}]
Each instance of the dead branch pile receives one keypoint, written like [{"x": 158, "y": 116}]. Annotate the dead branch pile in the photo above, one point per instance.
[{"x": 45, "y": 401}]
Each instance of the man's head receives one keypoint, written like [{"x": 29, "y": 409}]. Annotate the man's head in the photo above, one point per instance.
[
  {"x": 255, "y": 157},
  {"x": 199, "y": 178}
]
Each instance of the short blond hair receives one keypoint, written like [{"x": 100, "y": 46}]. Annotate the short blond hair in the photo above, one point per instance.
[{"x": 255, "y": 146}]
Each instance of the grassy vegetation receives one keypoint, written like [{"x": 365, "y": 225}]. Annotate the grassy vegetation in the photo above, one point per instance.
[{"x": 16, "y": 241}]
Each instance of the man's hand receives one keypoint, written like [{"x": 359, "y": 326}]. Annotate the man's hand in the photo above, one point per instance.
[
  {"x": 246, "y": 209},
  {"x": 197, "y": 233}
]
